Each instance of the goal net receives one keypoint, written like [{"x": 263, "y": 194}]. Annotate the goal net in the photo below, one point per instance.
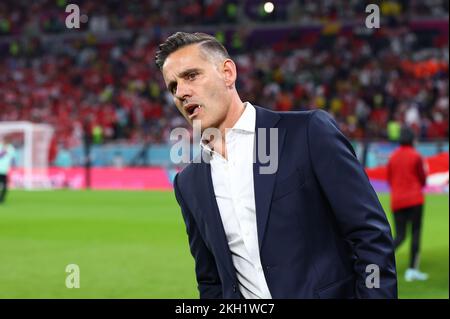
[{"x": 32, "y": 144}]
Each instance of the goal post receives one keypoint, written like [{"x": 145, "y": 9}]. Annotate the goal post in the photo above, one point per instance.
[{"x": 32, "y": 151}]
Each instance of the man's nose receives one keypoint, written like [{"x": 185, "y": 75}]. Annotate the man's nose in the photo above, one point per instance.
[{"x": 182, "y": 92}]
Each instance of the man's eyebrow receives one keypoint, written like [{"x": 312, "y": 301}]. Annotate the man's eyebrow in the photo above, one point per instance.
[{"x": 186, "y": 72}]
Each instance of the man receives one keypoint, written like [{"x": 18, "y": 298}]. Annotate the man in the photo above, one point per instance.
[
  {"x": 7, "y": 154},
  {"x": 314, "y": 228},
  {"x": 407, "y": 177}
]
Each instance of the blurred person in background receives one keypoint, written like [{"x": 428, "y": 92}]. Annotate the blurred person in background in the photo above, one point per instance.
[
  {"x": 7, "y": 155},
  {"x": 407, "y": 177}
]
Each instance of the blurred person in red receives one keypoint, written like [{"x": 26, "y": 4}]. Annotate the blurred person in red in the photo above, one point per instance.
[{"x": 407, "y": 177}]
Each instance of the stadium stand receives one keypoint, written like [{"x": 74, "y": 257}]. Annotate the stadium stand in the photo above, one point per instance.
[{"x": 307, "y": 54}]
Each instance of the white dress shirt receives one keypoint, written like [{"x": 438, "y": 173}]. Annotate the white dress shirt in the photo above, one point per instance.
[{"x": 234, "y": 191}]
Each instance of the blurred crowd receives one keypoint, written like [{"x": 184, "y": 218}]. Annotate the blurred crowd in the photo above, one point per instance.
[
  {"x": 48, "y": 16},
  {"x": 372, "y": 84},
  {"x": 372, "y": 81}
]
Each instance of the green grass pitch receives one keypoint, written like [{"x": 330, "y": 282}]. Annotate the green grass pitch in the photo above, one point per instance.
[{"x": 134, "y": 245}]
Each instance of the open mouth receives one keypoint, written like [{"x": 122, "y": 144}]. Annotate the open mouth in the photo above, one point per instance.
[{"x": 192, "y": 109}]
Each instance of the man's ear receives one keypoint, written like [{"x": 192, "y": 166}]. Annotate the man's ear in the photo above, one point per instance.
[{"x": 229, "y": 72}]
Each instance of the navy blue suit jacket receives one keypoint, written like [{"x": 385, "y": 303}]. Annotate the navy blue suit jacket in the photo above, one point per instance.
[{"x": 320, "y": 224}]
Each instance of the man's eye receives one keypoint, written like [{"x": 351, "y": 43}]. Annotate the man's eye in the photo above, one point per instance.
[{"x": 191, "y": 76}]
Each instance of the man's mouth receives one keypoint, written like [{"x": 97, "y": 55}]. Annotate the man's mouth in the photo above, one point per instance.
[{"x": 192, "y": 109}]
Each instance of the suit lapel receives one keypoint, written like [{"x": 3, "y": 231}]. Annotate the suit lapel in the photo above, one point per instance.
[
  {"x": 263, "y": 186},
  {"x": 264, "y": 183},
  {"x": 207, "y": 200}
]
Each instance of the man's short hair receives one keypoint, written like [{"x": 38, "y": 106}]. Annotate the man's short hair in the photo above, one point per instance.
[
  {"x": 406, "y": 136},
  {"x": 181, "y": 39}
]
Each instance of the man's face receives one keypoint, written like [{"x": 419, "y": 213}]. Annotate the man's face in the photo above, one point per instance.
[{"x": 197, "y": 85}]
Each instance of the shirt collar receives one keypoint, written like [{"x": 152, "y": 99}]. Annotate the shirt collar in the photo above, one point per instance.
[
  {"x": 245, "y": 123},
  {"x": 247, "y": 120}
]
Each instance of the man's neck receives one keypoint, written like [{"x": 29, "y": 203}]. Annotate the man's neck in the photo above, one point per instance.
[{"x": 234, "y": 113}]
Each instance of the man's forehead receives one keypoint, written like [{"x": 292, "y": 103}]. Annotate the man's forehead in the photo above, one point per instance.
[{"x": 183, "y": 57}]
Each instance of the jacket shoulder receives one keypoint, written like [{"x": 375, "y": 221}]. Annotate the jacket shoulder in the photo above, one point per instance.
[
  {"x": 186, "y": 174},
  {"x": 303, "y": 118}
]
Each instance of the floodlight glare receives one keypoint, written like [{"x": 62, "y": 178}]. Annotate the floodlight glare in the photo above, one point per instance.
[{"x": 268, "y": 7}]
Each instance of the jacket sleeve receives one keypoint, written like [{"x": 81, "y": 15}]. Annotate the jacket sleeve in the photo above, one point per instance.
[
  {"x": 389, "y": 172},
  {"x": 209, "y": 284},
  {"x": 421, "y": 172},
  {"x": 355, "y": 205}
]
